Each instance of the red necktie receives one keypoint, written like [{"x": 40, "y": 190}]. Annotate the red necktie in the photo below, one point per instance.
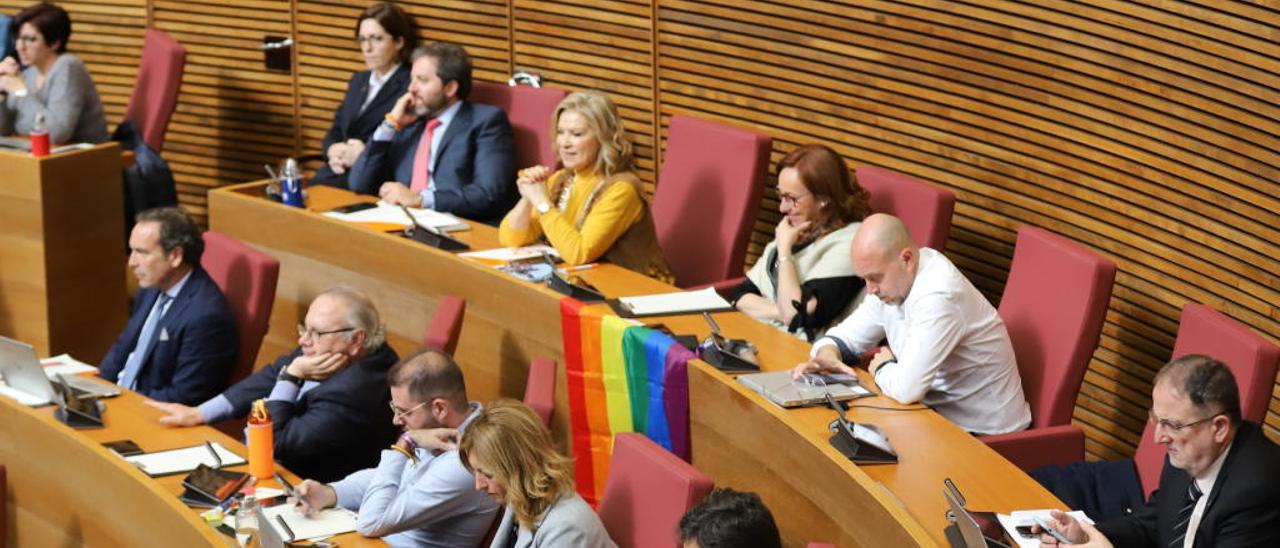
[{"x": 422, "y": 158}]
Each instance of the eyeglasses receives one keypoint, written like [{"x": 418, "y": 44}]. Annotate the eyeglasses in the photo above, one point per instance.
[
  {"x": 309, "y": 333},
  {"x": 28, "y": 38},
  {"x": 398, "y": 413},
  {"x": 1174, "y": 425},
  {"x": 793, "y": 200}
]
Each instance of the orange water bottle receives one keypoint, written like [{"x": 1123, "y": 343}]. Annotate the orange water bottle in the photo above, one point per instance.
[
  {"x": 261, "y": 441},
  {"x": 40, "y": 137}
]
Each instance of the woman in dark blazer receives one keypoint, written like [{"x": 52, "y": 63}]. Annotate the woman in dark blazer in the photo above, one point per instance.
[{"x": 386, "y": 36}]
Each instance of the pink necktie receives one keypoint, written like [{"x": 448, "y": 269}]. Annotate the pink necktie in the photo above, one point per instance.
[{"x": 422, "y": 158}]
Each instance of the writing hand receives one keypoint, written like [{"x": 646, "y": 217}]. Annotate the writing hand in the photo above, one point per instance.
[{"x": 314, "y": 496}]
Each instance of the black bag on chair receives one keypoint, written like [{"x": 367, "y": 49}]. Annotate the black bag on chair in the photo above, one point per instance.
[{"x": 148, "y": 182}]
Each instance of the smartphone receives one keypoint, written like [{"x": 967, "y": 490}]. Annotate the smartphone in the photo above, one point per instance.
[
  {"x": 1048, "y": 529},
  {"x": 125, "y": 448},
  {"x": 352, "y": 208}
]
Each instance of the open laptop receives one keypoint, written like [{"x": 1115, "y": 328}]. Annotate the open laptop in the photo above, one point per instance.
[
  {"x": 779, "y": 388},
  {"x": 28, "y": 383}
]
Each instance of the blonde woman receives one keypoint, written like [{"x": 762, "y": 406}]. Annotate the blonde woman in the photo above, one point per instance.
[
  {"x": 594, "y": 207},
  {"x": 511, "y": 455}
]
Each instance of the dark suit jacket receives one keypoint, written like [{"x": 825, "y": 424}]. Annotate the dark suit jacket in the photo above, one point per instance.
[
  {"x": 474, "y": 169},
  {"x": 334, "y": 429},
  {"x": 354, "y": 122},
  {"x": 1243, "y": 508},
  {"x": 195, "y": 344}
]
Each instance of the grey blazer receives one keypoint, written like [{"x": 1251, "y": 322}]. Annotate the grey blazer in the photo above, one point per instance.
[{"x": 568, "y": 522}]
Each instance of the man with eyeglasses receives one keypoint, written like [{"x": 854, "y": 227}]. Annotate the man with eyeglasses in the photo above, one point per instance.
[
  {"x": 419, "y": 494},
  {"x": 327, "y": 398},
  {"x": 1220, "y": 485}
]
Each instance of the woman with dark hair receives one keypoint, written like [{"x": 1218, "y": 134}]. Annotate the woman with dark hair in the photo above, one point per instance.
[
  {"x": 511, "y": 455},
  {"x": 54, "y": 84},
  {"x": 386, "y": 36},
  {"x": 804, "y": 281}
]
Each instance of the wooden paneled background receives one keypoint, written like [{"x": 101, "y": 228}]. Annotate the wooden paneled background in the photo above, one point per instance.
[{"x": 1146, "y": 130}]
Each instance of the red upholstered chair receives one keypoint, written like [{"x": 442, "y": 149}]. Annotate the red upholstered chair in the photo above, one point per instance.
[
  {"x": 707, "y": 196},
  {"x": 924, "y": 208},
  {"x": 540, "y": 389},
  {"x": 247, "y": 277},
  {"x": 1053, "y": 307},
  {"x": 647, "y": 492},
  {"x": 1253, "y": 360},
  {"x": 529, "y": 109},
  {"x": 155, "y": 92},
  {"x": 446, "y": 324}
]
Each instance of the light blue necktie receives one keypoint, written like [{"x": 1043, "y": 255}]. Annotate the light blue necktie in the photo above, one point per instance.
[{"x": 129, "y": 376}]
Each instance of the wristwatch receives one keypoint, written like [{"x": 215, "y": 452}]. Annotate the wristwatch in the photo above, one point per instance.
[
  {"x": 285, "y": 376},
  {"x": 543, "y": 208}
]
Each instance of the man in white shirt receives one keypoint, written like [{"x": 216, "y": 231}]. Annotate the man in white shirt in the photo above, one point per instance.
[
  {"x": 947, "y": 346},
  {"x": 1220, "y": 485},
  {"x": 420, "y": 494}
]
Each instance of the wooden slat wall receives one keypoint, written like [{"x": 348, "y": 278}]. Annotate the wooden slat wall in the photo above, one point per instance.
[{"x": 1145, "y": 130}]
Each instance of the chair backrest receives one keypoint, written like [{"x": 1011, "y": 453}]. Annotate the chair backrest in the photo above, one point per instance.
[
  {"x": 155, "y": 92},
  {"x": 529, "y": 110},
  {"x": 540, "y": 390},
  {"x": 247, "y": 278},
  {"x": 446, "y": 324},
  {"x": 647, "y": 492},
  {"x": 1053, "y": 307},
  {"x": 707, "y": 196},
  {"x": 1252, "y": 359},
  {"x": 924, "y": 208}
]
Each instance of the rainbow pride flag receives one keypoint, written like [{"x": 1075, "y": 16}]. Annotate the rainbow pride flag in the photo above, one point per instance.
[{"x": 621, "y": 378}]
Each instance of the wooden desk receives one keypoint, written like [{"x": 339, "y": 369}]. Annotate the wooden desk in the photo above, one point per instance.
[
  {"x": 62, "y": 245},
  {"x": 65, "y": 489},
  {"x": 739, "y": 438}
]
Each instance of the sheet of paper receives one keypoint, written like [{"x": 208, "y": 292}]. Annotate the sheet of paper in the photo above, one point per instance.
[
  {"x": 1026, "y": 518},
  {"x": 676, "y": 303},
  {"x": 186, "y": 459},
  {"x": 503, "y": 255},
  {"x": 64, "y": 364},
  {"x": 330, "y": 522},
  {"x": 387, "y": 213}
]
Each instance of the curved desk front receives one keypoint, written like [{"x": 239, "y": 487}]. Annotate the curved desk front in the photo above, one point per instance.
[{"x": 740, "y": 439}]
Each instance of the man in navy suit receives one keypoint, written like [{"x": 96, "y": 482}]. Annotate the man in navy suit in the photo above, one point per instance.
[
  {"x": 438, "y": 151},
  {"x": 180, "y": 343},
  {"x": 328, "y": 398},
  {"x": 1220, "y": 485}
]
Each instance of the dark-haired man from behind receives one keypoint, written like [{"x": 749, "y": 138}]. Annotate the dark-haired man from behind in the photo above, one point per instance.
[
  {"x": 1220, "y": 485},
  {"x": 729, "y": 519},
  {"x": 180, "y": 343},
  {"x": 419, "y": 494},
  {"x": 436, "y": 149}
]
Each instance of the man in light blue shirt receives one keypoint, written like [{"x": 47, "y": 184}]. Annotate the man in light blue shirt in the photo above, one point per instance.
[{"x": 420, "y": 494}]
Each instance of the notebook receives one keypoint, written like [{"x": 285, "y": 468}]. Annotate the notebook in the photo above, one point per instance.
[{"x": 778, "y": 387}]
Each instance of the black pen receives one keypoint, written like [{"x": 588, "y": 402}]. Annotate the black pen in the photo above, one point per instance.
[
  {"x": 285, "y": 526},
  {"x": 217, "y": 461}
]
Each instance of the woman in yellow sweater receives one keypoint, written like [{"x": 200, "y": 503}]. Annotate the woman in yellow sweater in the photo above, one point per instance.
[{"x": 593, "y": 208}]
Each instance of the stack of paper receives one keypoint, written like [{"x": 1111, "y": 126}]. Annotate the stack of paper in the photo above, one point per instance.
[
  {"x": 386, "y": 213},
  {"x": 680, "y": 302},
  {"x": 504, "y": 255},
  {"x": 64, "y": 364},
  {"x": 326, "y": 523}
]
